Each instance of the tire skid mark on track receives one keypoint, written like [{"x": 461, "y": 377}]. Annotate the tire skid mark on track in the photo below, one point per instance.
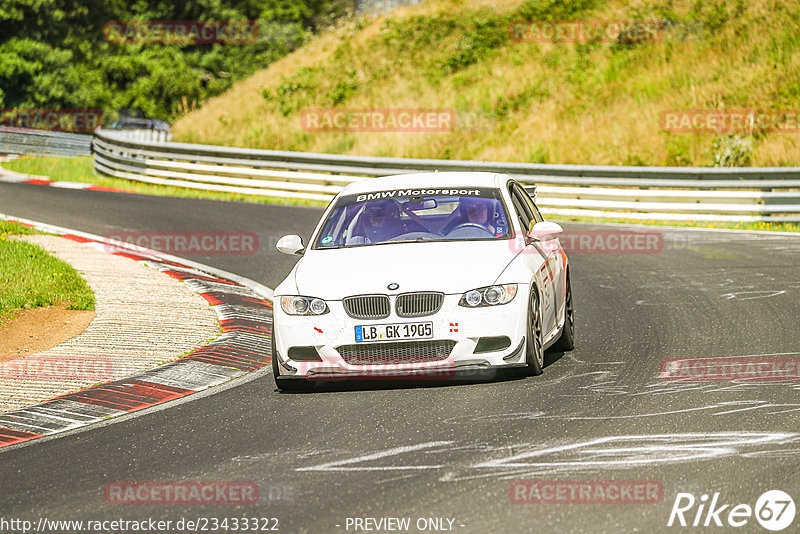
[
  {"x": 607, "y": 384},
  {"x": 716, "y": 409},
  {"x": 246, "y": 322},
  {"x": 459, "y": 462},
  {"x": 607, "y": 380}
]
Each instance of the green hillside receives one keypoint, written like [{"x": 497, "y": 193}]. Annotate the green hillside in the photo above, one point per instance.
[{"x": 596, "y": 102}]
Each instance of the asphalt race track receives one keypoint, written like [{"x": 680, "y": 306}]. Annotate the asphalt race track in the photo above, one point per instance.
[{"x": 453, "y": 451}]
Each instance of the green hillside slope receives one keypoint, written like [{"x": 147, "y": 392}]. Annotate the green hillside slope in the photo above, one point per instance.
[{"x": 515, "y": 98}]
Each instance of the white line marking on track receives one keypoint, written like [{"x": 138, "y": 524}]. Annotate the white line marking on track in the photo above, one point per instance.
[
  {"x": 654, "y": 449},
  {"x": 339, "y": 465}
]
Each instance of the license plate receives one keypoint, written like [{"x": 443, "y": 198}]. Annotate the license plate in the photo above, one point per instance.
[{"x": 392, "y": 332}]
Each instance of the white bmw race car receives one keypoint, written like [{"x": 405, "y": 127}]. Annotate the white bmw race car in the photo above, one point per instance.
[{"x": 423, "y": 274}]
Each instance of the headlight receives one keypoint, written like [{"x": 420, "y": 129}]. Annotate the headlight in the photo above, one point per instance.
[
  {"x": 489, "y": 296},
  {"x": 296, "y": 305},
  {"x": 472, "y": 298}
]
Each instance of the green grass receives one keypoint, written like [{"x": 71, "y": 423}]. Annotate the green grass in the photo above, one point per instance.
[
  {"x": 32, "y": 278},
  {"x": 77, "y": 169},
  {"x": 8, "y": 228},
  {"x": 81, "y": 169},
  {"x": 760, "y": 226}
]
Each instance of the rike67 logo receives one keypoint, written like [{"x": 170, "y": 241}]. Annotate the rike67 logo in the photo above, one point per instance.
[{"x": 774, "y": 510}]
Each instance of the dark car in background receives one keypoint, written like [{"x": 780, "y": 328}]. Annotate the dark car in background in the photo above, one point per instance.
[{"x": 138, "y": 123}]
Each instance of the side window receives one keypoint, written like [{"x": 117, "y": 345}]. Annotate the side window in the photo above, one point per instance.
[
  {"x": 521, "y": 206},
  {"x": 536, "y": 215}
]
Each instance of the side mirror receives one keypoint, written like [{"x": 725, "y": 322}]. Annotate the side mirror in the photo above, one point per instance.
[
  {"x": 290, "y": 244},
  {"x": 544, "y": 231}
]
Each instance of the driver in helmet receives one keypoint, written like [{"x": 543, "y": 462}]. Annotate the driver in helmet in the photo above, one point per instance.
[
  {"x": 382, "y": 220},
  {"x": 479, "y": 211}
]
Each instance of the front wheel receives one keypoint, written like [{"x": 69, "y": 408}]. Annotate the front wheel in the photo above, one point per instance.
[
  {"x": 567, "y": 340},
  {"x": 534, "y": 349}
]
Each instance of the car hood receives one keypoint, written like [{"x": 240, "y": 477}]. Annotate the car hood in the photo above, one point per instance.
[{"x": 449, "y": 267}]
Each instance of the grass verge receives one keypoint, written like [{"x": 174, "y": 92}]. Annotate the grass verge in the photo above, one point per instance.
[
  {"x": 32, "y": 278},
  {"x": 81, "y": 169},
  {"x": 757, "y": 226}
]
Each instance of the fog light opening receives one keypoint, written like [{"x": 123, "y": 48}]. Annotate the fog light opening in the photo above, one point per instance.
[
  {"x": 304, "y": 354},
  {"x": 492, "y": 344}
]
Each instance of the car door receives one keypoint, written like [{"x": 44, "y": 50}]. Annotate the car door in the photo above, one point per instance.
[{"x": 548, "y": 267}]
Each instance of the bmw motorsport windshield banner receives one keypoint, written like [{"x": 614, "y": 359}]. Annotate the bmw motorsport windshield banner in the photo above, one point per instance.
[{"x": 405, "y": 193}]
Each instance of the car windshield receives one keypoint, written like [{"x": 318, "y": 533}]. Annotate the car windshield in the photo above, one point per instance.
[{"x": 394, "y": 216}]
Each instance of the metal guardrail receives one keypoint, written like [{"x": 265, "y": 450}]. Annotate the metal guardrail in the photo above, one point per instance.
[
  {"x": 663, "y": 193},
  {"x": 142, "y": 134},
  {"x": 44, "y": 142}
]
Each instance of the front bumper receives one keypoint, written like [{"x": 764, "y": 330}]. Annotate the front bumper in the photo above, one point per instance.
[{"x": 452, "y": 323}]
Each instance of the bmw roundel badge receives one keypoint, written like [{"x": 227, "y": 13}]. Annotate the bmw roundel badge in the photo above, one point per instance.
[{"x": 392, "y": 286}]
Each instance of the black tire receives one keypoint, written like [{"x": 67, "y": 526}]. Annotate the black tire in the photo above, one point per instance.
[
  {"x": 534, "y": 351},
  {"x": 566, "y": 341}
]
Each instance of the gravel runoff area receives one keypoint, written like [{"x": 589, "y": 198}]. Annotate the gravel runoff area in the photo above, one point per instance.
[{"x": 144, "y": 318}]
